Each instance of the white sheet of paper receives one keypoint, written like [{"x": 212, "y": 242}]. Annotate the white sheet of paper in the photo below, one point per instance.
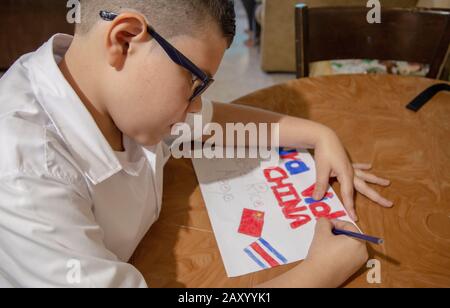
[{"x": 231, "y": 187}]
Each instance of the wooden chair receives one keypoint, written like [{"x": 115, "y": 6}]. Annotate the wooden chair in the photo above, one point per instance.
[{"x": 412, "y": 35}]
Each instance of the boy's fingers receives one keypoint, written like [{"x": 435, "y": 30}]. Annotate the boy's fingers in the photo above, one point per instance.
[
  {"x": 322, "y": 182},
  {"x": 371, "y": 178},
  {"x": 365, "y": 190},
  {"x": 348, "y": 194},
  {"x": 362, "y": 166}
]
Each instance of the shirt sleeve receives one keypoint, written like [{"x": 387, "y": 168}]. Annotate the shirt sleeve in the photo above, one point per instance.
[{"x": 49, "y": 238}]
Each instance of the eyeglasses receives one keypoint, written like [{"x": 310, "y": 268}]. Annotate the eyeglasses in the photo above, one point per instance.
[{"x": 201, "y": 82}]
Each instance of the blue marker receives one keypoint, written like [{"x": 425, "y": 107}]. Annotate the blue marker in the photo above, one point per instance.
[{"x": 363, "y": 237}]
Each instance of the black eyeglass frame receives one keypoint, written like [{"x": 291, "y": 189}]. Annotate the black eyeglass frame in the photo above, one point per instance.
[{"x": 176, "y": 56}]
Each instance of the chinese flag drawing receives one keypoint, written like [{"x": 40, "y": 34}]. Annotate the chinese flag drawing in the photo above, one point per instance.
[{"x": 252, "y": 223}]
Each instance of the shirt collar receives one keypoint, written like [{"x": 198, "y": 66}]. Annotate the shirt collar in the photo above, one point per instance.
[{"x": 72, "y": 120}]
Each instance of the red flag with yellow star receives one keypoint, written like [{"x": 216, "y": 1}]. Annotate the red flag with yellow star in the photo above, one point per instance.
[{"x": 252, "y": 223}]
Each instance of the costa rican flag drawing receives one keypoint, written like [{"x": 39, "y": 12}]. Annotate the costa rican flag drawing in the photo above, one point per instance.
[{"x": 264, "y": 255}]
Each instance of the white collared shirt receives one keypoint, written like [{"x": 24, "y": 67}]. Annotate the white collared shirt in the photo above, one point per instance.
[{"x": 72, "y": 211}]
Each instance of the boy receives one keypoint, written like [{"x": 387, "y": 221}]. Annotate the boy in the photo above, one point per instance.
[{"x": 84, "y": 123}]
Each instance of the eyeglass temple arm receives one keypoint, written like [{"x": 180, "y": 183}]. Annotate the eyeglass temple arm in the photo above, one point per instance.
[{"x": 176, "y": 56}]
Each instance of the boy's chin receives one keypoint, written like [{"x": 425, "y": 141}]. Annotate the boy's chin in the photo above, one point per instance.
[
  {"x": 154, "y": 140},
  {"x": 149, "y": 141}
]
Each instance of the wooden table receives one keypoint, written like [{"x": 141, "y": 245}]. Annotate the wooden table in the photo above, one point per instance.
[{"x": 369, "y": 114}]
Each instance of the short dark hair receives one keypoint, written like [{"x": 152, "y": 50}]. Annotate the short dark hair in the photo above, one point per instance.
[{"x": 169, "y": 17}]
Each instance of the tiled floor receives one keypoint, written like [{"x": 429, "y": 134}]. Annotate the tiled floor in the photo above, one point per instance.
[{"x": 240, "y": 72}]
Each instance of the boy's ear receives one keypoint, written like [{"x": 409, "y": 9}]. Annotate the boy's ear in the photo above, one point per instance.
[{"x": 125, "y": 31}]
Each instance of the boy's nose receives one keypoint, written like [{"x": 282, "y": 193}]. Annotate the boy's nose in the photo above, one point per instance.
[{"x": 196, "y": 105}]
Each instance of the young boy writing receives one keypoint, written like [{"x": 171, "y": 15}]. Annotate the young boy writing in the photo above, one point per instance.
[{"x": 84, "y": 127}]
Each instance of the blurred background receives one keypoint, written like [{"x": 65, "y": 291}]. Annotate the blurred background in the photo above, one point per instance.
[{"x": 277, "y": 42}]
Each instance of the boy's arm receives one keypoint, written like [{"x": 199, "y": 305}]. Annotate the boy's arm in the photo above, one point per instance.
[
  {"x": 294, "y": 132},
  {"x": 330, "y": 155}
]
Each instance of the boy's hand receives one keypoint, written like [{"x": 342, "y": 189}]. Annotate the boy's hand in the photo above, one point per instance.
[
  {"x": 360, "y": 180},
  {"x": 332, "y": 161},
  {"x": 334, "y": 259},
  {"x": 331, "y": 260}
]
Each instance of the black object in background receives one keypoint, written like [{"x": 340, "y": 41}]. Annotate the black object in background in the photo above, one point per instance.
[{"x": 426, "y": 96}]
